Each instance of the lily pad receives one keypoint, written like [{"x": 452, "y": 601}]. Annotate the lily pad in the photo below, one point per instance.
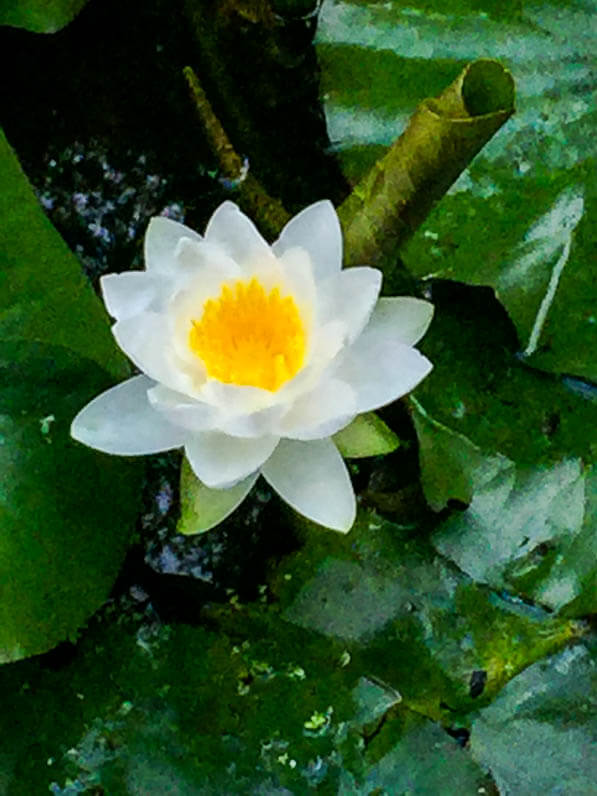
[{"x": 66, "y": 512}]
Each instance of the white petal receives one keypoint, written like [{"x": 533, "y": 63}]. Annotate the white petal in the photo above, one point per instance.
[
  {"x": 321, "y": 412},
  {"x": 121, "y": 421},
  {"x": 402, "y": 318},
  {"x": 237, "y": 235},
  {"x": 381, "y": 370},
  {"x": 146, "y": 340},
  {"x": 161, "y": 240},
  {"x": 133, "y": 292},
  {"x": 182, "y": 410},
  {"x": 316, "y": 229},
  {"x": 221, "y": 461},
  {"x": 313, "y": 479},
  {"x": 195, "y": 256},
  {"x": 298, "y": 281},
  {"x": 350, "y": 297},
  {"x": 207, "y": 507}
]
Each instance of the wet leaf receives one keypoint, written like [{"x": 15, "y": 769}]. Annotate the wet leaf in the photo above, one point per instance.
[
  {"x": 540, "y": 734},
  {"x": 511, "y": 443},
  {"x": 531, "y": 532}
]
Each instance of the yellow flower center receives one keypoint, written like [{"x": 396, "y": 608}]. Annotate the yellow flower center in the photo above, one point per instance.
[{"x": 249, "y": 337}]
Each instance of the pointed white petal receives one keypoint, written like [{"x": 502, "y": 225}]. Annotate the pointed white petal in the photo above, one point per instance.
[
  {"x": 133, "y": 292},
  {"x": 313, "y": 479},
  {"x": 316, "y": 229},
  {"x": 221, "y": 461},
  {"x": 146, "y": 340},
  {"x": 121, "y": 421},
  {"x": 349, "y": 297},
  {"x": 298, "y": 281},
  {"x": 236, "y": 235},
  {"x": 381, "y": 370},
  {"x": 195, "y": 256},
  {"x": 402, "y": 318},
  {"x": 321, "y": 412},
  {"x": 204, "y": 507},
  {"x": 161, "y": 240}
]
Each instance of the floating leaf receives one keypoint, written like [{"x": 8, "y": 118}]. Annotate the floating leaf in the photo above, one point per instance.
[
  {"x": 531, "y": 532},
  {"x": 452, "y": 467},
  {"x": 65, "y": 511}
]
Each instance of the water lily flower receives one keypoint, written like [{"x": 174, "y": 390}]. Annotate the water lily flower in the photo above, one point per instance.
[{"x": 253, "y": 356}]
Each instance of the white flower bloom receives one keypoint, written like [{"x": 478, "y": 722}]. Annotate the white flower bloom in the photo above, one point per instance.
[{"x": 253, "y": 356}]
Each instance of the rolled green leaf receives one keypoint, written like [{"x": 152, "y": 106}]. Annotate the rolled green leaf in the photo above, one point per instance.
[{"x": 441, "y": 139}]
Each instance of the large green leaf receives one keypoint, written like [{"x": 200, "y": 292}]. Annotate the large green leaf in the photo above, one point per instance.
[
  {"x": 65, "y": 511},
  {"x": 44, "y": 296},
  {"x": 263, "y": 707},
  {"x": 39, "y": 16},
  {"x": 540, "y": 734}
]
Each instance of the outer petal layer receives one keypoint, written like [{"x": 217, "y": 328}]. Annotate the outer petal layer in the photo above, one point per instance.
[
  {"x": 320, "y": 413},
  {"x": 221, "y": 461},
  {"x": 313, "y": 479},
  {"x": 381, "y": 370},
  {"x": 122, "y": 422},
  {"x": 144, "y": 339},
  {"x": 317, "y": 230},
  {"x": 133, "y": 292},
  {"x": 161, "y": 239}
]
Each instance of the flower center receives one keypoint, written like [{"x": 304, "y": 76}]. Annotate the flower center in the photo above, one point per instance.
[{"x": 249, "y": 337}]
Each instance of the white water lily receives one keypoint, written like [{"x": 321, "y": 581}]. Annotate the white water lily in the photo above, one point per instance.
[{"x": 253, "y": 356}]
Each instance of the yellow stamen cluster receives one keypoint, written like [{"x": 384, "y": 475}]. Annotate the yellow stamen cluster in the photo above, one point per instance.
[{"x": 249, "y": 337}]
